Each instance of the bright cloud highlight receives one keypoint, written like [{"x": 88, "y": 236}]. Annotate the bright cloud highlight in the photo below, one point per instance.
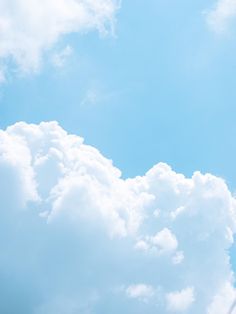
[{"x": 73, "y": 231}]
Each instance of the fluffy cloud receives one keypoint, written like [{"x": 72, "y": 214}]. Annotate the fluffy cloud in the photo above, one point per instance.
[
  {"x": 221, "y": 15},
  {"x": 222, "y": 301},
  {"x": 28, "y": 28},
  {"x": 72, "y": 231},
  {"x": 163, "y": 242},
  {"x": 180, "y": 301}
]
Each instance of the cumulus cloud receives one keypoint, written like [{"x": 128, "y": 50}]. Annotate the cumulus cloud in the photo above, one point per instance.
[
  {"x": 163, "y": 242},
  {"x": 180, "y": 301},
  {"x": 72, "y": 230},
  {"x": 221, "y": 301},
  {"x": 29, "y": 28},
  {"x": 221, "y": 15}
]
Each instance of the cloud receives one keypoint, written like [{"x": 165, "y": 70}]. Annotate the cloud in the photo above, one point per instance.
[
  {"x": 29, "y": 28},
  {"x": 221, "y": 15},
  {"x": 223, "y": 299},
  {"x": 72, "y": 230},
  {"x": 163, "y": 242},
  {"x": 178, "y": 257},
  {"x": 140, "y": 291},
  {"x": 180, "y": 301}
]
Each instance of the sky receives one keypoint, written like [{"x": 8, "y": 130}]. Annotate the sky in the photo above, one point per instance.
[{"x": 117, "y": 153}]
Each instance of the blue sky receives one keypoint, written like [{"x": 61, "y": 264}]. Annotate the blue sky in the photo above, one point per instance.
[
  {"x": 159, "y": 88},
  {"x": 164, "y": 76}
]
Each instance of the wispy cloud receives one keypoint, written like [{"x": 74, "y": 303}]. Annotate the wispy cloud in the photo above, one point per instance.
[
  {"x": 28, "y": 28},
  {"x": 59, "y": 58},
  {"x": 221, "y": 15}
]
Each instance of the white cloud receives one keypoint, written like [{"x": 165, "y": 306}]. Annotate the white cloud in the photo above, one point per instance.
[
  {"x": 221, "y": 15},
  {"x": 180, "y": 301},
  {"x": 140, "y": 291},
  {"x": 165, "y": 241},
  {"x": 71, "y": 226},
  {"x": 224, "y": 301},
  {"x": 142, "y": 245},
  {"x": 79, "y": 182},
  {"x": 162, "y": 242},
  {"x": 16, "y": 172},
  {"x": 28, "y": 28}
]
